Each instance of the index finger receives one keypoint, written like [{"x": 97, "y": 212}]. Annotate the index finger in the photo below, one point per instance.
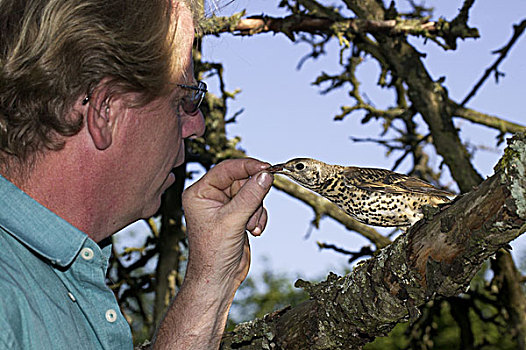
[{"x": 227, "y": 172}]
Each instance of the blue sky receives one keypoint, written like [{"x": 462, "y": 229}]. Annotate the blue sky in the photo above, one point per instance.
[{"x": 286, "y": 117}]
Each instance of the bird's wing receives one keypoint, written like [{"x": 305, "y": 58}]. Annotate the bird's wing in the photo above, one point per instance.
[{"x": 387, "y": 181}]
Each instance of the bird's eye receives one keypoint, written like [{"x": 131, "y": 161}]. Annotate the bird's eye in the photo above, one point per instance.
[{"x": 300, "y": 166}]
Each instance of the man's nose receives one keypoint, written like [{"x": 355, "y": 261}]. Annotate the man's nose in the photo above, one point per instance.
[{"x": 193, "y": 125}]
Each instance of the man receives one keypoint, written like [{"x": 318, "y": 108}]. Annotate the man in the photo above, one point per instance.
[{"x": 96, "y": 97}]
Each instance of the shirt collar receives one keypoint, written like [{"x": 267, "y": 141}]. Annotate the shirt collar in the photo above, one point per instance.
[{"x": 37, "y": 227}]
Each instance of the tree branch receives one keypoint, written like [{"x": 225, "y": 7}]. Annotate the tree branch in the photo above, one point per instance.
[
  {"x": 437, "y": 256},
  {"x": 485, "y": 119},
  {"x": 518, "y": 29},
  {"x": 428, "y": 97},
  {"x": 328, "y": 26},
  {"x": 323, "y": 25},
  {"x": 363, "y": 252}
]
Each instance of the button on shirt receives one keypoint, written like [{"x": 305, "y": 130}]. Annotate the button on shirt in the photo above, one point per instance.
[{"x": 53, "y": 293}]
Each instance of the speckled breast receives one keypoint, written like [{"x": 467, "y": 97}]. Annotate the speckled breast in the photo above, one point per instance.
[{"x": 380, "y": 209}]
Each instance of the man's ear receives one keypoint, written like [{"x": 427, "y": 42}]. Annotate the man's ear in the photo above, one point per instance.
[{"x": 102, "y": 112}]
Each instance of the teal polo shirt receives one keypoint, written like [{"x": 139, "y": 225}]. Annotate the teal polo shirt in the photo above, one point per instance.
[{"x": 53, "y": 293}]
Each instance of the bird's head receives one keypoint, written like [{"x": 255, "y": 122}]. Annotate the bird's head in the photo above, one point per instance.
[{"x": 311, "y": 173}]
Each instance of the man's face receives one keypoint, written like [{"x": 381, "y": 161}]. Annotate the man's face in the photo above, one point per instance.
[{"x": 151, "y": 137}]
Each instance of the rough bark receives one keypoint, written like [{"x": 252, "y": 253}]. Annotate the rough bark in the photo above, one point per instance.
[
  {"x": 438, "y": 256},
  {"x": 292, "y": 24}
]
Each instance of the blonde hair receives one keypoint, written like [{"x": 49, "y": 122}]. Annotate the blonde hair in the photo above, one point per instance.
[{"x": 53, "y": 51}]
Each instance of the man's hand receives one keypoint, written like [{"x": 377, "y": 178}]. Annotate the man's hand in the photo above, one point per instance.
[{"x": 219, "y": 209}]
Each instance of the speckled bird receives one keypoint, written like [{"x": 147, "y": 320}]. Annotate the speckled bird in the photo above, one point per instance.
[{"x": 372, "y": 196}]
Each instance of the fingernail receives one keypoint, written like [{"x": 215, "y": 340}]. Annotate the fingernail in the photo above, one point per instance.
[{"x": 264, "y": 179}]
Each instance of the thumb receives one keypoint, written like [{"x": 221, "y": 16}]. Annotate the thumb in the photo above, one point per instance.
[{"x": 250, "y": 196}]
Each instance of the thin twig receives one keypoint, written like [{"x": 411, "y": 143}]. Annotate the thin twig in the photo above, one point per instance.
[
  {"x": 364, "y": 251},
  {"x": 518, "y": 29}
]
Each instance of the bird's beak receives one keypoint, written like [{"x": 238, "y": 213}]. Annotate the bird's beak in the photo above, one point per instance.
[{"x": 278, "y": 169}]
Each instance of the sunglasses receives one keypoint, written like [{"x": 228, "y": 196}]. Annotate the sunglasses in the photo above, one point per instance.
[{"x": 192, "y": 101}]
